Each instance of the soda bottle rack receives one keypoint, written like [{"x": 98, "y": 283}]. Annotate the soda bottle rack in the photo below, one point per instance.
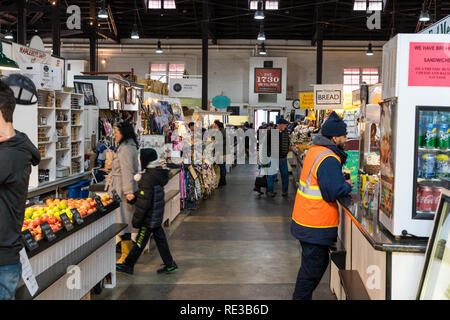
[{"x": 437, "y": 150}]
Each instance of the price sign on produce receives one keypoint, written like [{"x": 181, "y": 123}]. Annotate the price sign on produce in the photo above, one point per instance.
[
  {"x": 267, "y": 80},
  {"x": 429, "y": 64}
]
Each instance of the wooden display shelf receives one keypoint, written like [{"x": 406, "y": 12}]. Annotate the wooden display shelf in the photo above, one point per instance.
[
  {"x": 44, "y": 142},
  {"x": 45, "y": 108},
  {"x": 62, "y": 149}
]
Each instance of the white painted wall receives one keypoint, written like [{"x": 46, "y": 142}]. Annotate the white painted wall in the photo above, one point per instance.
[{"x": 229, "y": 65}]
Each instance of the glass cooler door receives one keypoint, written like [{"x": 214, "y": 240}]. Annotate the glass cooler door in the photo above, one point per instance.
[
  {"x": 431, "y": 160},
  {"x": 435, "y": 280}
]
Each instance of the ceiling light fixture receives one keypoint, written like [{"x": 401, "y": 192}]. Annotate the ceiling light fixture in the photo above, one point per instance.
[
  {"x": 369, "y": 51},
  {"x": 259, "y": 14},
  {"x": 261, "y": 34},
  {"x": 159, "y": 50},
  {"x": 263, "y": 51},
  {"x": 135, "y": 32},
  {"x": 103, "y": 13},
  {"x": 424, "y": 15},
  {"x": 9, "y": 35}
]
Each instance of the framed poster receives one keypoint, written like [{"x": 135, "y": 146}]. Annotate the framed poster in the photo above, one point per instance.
[
  {"x": 87, "y": 89},
  {"x": 268, "y": 80},
  {"x": 110, "y": 91},
  {"x": 116, "y": 92}
]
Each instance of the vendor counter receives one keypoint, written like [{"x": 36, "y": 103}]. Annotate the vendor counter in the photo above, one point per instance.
[
  {"x": 172, "y": 195},
  {"x": 68, "y": 267},
  {"x": 369, "y": 263}
]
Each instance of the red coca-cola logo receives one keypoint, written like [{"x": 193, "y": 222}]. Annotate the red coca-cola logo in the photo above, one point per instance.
[{"x": 428, "y": 199}]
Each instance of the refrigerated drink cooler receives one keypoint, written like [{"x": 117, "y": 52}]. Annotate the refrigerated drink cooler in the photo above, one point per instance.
[{"x": 414, "y": 128}]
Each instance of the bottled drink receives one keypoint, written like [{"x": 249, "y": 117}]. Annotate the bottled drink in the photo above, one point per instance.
[
  {"x": 442, "y": 166},
  {"x": 419, "y": 166},
  {"x": 443, "y": 131},
  {"x": 428, "y": 166},
  {"x": 430, "y": 135},
  {"x": 426, "y": 198}
]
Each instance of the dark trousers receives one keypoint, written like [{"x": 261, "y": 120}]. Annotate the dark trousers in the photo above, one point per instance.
[
  {"x": 315, "y": 259},
  {"x": 284, "y": 172},
  {"x": 223, "y": 170},
  {"x": 141, "y": 242}
]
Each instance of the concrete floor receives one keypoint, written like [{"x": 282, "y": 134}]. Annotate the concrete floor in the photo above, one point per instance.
[{"x": 236, "y": 245}]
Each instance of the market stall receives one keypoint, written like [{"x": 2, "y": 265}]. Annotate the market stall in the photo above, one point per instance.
[
  {"x": 70, "y": 247},
  {"x": 387, "y": 224}
]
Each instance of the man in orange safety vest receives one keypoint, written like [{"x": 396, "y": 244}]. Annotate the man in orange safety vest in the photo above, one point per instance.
[{"x": 315, "y": 217}]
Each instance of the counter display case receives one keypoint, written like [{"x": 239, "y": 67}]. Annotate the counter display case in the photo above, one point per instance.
[{"x": 435, "y": 281}]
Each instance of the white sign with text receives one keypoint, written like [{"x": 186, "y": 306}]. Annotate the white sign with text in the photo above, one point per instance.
[{"x": 328, "y": 96}]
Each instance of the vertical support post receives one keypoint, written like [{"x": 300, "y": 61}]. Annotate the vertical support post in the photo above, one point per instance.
[
  {"x": 319, "y": 43},
  {"x": 56, "y": 29},
  {"x": 93, "y": 52},
  {"x": 205, "y": 32},
  {"x": 21, "y": 22}
]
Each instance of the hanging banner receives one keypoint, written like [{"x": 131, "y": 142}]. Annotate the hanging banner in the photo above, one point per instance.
[
  {"x": 306, "y": 100},
  {"x": 429, "y": 64},
  {"x": 267, "y": 80},
  {"x": 185, "y": 88},
  {"x": 328, "y": 96}
]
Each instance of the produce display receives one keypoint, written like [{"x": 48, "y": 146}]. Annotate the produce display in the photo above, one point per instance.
[{"x": 53, "y": 208}]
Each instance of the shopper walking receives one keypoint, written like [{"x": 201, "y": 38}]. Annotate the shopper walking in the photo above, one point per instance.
[
  {"x": 17, "y": 155},
  {"x": 283, "y": 152},
  {"x": 315, "y": 217},
  {"x": 223, "y": 166},
  {"x": 149, "y": 212},
  {"x": 124, "y": 167}
]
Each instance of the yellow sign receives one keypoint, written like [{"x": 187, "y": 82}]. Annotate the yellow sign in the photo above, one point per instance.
[
  {"x": 306, "y": 100},
  {"x": 348, "y": 101}
]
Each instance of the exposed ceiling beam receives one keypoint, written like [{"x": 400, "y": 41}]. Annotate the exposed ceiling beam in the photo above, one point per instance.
[
  {"x": 112, "y": 21},
  {"x": 36, "y": 17}
]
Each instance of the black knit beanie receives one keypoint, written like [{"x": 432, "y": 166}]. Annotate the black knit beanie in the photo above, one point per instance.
[
  {"x": 334, "y": 126},
  {"x": 147, "y": 155}
]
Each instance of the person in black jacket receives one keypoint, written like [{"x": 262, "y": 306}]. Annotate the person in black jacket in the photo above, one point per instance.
[
  {"x": 17, "y": 154},
  {"x": 149, "y": 211}
]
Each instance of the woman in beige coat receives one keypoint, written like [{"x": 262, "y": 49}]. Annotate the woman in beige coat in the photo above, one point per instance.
[{"x": 121, "y": 178}]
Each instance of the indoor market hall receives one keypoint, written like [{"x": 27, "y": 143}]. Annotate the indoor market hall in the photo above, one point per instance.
[{"x": 236, "y": 246}]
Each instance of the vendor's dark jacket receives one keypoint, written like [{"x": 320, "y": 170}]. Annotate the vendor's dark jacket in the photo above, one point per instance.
[
  {"x": 149, "y": 205},
  {"x": 332, "y": 186},
  {"x": 17, "y": 155}
]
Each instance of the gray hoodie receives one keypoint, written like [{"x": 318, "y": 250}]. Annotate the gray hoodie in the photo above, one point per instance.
[{"x": 17, "y": 155}]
